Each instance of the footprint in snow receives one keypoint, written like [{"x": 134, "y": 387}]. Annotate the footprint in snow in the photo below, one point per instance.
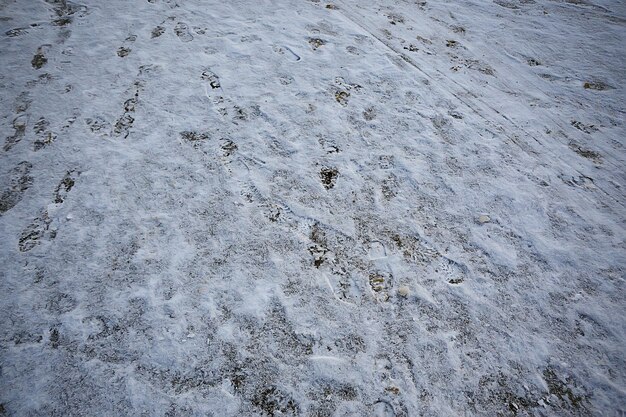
[
  {"x": 43, "y": 228},
  {"x": 123, "y": 52},
  {"x": 157, "y": 31},
  {"x": 182, "y": 31},
  {"x": 20, "y": 181},
  {"x": 212, "y": 78},
  {"x": 19, "y": 125},
  {"x": 44, "y": 136}
]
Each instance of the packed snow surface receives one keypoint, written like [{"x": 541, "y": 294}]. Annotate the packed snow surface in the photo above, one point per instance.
[{"x": 310, "y": 208}]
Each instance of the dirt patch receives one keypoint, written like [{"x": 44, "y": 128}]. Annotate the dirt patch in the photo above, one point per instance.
[
  {"x": 342, "y": 97},
  {"x": 329, "y": 177},
  {"x": 316, "y": 43},
  {"x": 597, "y": 85},
  {"x": 39, "y": 60}
]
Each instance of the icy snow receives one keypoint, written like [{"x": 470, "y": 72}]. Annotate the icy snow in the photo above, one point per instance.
[{"x": 299, "y": 207}]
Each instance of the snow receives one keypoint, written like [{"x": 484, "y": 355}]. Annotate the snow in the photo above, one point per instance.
[{"x": 343, "y": 208}]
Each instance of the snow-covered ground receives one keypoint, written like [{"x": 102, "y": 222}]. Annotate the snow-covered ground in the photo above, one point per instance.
[{"x": 299, "y": 207}]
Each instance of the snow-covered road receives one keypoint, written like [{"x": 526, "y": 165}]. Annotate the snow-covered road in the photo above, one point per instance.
[{"x": 299, "y": 207}]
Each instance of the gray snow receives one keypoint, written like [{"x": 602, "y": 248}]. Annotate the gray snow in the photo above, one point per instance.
[{"x": 309, "y": 208}]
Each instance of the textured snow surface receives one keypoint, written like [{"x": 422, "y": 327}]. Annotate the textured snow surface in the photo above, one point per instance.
[{"x": 280, "y": 208}]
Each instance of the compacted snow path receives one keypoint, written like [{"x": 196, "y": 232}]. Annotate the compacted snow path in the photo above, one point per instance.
[{"x": 298, "y": 207}]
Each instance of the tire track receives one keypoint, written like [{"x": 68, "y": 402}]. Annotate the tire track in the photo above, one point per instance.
[{"x": 350, "y": 15}]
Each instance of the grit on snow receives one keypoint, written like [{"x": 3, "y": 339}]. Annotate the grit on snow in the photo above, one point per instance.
[{"x": 309, "y": 208}]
